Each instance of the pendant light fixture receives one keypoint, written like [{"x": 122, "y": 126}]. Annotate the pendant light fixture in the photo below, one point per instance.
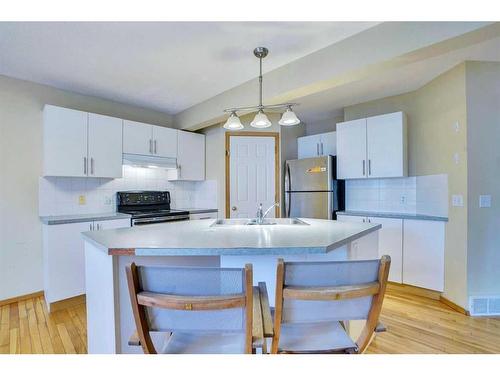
[{"x": 260, "y": 121}]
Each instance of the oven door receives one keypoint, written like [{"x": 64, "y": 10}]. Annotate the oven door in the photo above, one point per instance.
[{"x": 157, "y": 220}]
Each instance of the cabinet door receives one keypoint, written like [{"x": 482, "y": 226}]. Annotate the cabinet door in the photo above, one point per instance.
[
  {"x": 137, "y": 138},
  {"x": 390, "y": 242},
  {"x": 386, "y": 145},
  {"x": 64, "y": 260},
  {"x": 164, "y": 142},
  {"x": 328, "y": 143},
  {"x": 190, "y": 156},
  {"x": 64, "y": 142},
  {"x": 308, "y": 147},
  {"x": 111, "y": 224},
  {"x": 351, "y": 149},
  {"x": 105, "y": 146},
  {"x": 207, "y": 215},
  {"x": 423, "y": 254}
]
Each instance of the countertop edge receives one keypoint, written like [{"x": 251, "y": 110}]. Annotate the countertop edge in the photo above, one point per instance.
[
  {"x": 392, "y": 215},
  {"x": 69, "y": 219}
]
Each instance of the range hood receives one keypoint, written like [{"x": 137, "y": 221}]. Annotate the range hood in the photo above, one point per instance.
[{"x": 148, "y": 161}]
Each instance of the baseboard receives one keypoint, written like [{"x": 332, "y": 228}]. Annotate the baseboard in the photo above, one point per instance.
[
  {"x": 454, "y": 306},
  {"x": 66, "y": 303},
  {"x": 8, "y": 301},
  {"x": 415, "y": 290}
]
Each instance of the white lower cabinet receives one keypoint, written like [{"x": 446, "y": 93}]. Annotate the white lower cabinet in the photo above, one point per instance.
[
  {"x": 416, "y": 248},
  {"x": 206, "y": 215},
  {"x": 64, "y": 257},
  {"x": 423, "y": 256}
]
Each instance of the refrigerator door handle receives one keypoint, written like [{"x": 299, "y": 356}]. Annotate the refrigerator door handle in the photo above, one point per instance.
[
  {"x": 288, "y": 197},
  {"x": 287, "y": 190}
]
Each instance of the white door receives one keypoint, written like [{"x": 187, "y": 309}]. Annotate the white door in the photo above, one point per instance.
[
  {"x": 308, "y": 147},
  {"x": 190, "y": 156},
  {"x": 164, "y": 142},
  {"x": 111, "y": 224},
  {"x": 390, "y": 242},
  {"x": 137, "y": 138},
  {"x": 105, "y": 146},
  {"x": 328, "y": 143},
  {"x": 351, "y": 149},
  {"x": 423, "y": 254},
  {"x": 252, "y": 175},
  {"x": 386, "y": 145},
  {"x": 64, "y": 142}
]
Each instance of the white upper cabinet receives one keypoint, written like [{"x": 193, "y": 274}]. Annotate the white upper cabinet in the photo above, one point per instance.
[
  {"x": 374, "y": 147},
  {"x": 164, "y": 142},
  {"x": 64, "y": 142},
  {"x": 79, "y": 144},
  {"x": 351, "y": 149},
  {"x": 317, "y": 145},
  {"x": 146, "y": 139},
  {"x": 386, "y": 145},
  {"x": 105, "y": 146},
  {"x": 190, "y": 157},
  {"x": 137, "y": 138}
]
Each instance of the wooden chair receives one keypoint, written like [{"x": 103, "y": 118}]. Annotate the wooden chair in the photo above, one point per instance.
[
  {"x": 202, "y": 310},
  {"x": 315, "y": 299}
]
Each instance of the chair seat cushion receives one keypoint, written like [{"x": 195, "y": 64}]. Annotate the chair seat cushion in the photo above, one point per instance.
[
  {"x": 314, "y": 337},
  {"x": 184, "y": 342}
]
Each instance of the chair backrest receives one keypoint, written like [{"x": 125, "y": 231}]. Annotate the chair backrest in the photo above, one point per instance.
[
  {"x": 173, "y": 299},
  {"x": 330, "y": 291}
]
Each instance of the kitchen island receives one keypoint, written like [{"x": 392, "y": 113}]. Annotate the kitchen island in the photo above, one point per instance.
[{"x": 203, "y": 243}]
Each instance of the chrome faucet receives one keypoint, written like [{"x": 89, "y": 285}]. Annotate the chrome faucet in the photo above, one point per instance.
[{"x": 261, "y": 215}]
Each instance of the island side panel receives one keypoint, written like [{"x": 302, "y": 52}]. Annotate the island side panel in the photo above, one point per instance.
[{"x": 125, "y": 319}]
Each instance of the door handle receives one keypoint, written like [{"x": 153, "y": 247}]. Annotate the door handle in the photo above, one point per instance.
[
  {"x": 234, "y": 208},
  {"x": 364, "y": 162}
]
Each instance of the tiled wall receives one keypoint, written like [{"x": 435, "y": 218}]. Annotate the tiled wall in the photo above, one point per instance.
[
  {"x": 426, "y": 195},
  {"x": 60, "y": 195}
]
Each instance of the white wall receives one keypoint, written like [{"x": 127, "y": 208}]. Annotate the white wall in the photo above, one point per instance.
[{"x": 21, "y": 105}]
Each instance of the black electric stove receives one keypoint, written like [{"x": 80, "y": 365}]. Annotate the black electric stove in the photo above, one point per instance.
[{"x": 148, "y": 207}]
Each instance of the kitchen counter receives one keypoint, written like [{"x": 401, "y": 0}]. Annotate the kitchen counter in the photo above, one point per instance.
[
  {"x": 198, "y": 210},
  {"x": 393, "y": 215},
  {"x": 67, "y": 219},
  {"x": 198, "y": 237}
]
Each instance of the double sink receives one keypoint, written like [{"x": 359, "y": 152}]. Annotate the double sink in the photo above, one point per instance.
[{"x": 270, "y": 221}]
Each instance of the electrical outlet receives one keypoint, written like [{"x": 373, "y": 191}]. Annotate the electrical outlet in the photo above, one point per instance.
[
  {"x": 456, "y": 157},
  {"x": 81, "y": 200},
  {"x": 403, "y": 199},
  {"x": 457, "y": 200},
  {"x": 456, "y": 126},
  {"x": 484, "y": 201},
  {"x": 108, "y": 200}
]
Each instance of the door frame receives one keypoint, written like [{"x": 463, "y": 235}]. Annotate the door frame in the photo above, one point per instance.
[{"x": 276, "y": 136}]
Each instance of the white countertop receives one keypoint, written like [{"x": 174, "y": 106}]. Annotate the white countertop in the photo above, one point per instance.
[
  {"x": 197, "y": 237},
  {"x": 68, "y": 219}
]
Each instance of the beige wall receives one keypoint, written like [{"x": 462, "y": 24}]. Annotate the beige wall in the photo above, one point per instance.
[
  {"x": 324, "y": 126},
  {"x": 483, "y": 144},
  {"x": 432, "y": 141},
  {"x": 21, "y": 105},
  {"x": 215, "y": 150}
]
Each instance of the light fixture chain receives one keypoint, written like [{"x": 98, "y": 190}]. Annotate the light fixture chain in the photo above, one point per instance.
[{"x": 260, "y": 83}]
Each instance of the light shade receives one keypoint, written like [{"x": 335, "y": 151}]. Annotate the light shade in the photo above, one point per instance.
[
  {"x": 260, "y": 121},
  {"x": 233, "y": 122},
  {"x": 289, "y": 118}
]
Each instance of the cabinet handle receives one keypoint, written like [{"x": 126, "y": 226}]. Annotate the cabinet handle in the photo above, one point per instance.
[
  {"x": 155, "y": 146},
  {"x": 322, "y": 148},
  {"x": 364, "y": 167},
  {"x": 98, "y": 226},
  {"x": 150, "y": 146},
  {"x": 317, "y": 149},
  {"x": 90, "y": 226},
  {"x": 91, "y": 165},
  {"x": 85, "y": 165},
  {"x": 369, "y": 167}
]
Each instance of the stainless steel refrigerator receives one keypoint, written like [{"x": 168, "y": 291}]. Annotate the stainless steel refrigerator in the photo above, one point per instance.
[{"x": 311, "y": 188}]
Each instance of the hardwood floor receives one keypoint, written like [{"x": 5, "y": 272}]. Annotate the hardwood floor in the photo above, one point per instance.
[{"x": 414, "y": 325}]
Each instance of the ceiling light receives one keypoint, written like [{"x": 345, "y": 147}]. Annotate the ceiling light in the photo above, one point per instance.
[
  {"x": 260, "y": 121},
  {"x": 233, "y": 122},
  {"x": 289, "y": 118}
]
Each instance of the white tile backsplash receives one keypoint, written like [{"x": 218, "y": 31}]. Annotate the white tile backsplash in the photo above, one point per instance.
[
  {"x": 425, "y": 195},
  {"x": 60, "y": 195}
]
